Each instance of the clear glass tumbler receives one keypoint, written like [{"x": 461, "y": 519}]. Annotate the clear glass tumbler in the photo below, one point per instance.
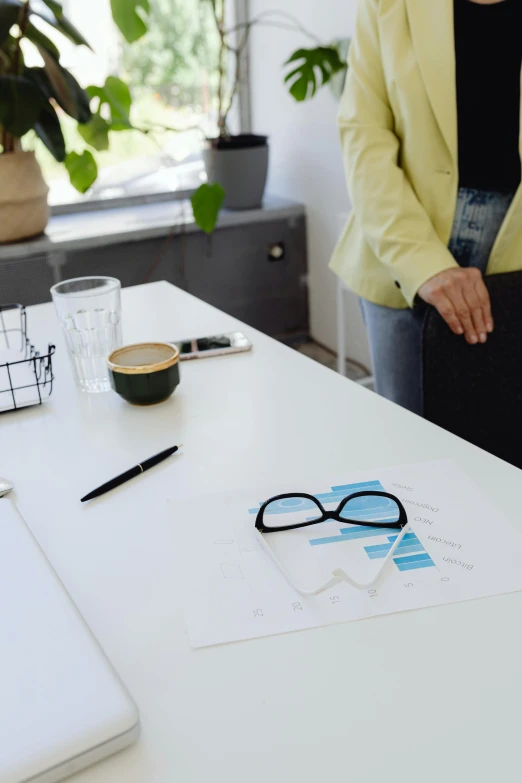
[{"x": 89, "y": 309}]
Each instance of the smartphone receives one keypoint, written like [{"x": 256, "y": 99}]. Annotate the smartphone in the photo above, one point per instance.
[{"x": 220, "y": 344}]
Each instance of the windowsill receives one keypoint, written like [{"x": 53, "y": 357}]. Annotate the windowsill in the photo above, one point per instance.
[
  {"x": 102, "y": 204},
  {"x": 131, "y": 223},
  {"x": 138, "y": 181}
]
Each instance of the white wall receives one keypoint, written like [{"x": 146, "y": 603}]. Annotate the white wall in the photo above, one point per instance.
[{"x": 305, "y": 157}]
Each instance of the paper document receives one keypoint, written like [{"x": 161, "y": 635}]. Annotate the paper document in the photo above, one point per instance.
[{"x": 459, "y": 547}]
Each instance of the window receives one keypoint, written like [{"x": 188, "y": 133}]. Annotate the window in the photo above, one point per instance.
[{"x": 172, "y": 75}]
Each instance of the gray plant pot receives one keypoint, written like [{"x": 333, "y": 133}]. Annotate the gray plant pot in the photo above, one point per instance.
[{"x": 240, "y": 170}]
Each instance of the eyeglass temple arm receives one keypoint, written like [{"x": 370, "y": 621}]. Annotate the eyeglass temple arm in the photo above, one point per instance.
[
  {"x": 306, "y": 593},
  {"x": 338, "y": 574},
  {"x": 342, "y": 576}
]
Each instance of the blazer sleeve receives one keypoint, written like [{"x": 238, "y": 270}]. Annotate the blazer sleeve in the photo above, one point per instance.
[{"x": 394, "y": 223}]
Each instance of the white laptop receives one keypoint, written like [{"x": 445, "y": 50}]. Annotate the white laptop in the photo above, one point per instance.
[{"x": 62, "y": 705}]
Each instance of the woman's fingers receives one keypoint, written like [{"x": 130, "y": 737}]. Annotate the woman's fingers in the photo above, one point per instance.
[
  {"x": 473, "y": 302},
  {"x": 466, "y": 309},
  {"x": 462, "y": 299},
  {"x": 447, "y": 311},
  {"x": 483, "y": 295}
]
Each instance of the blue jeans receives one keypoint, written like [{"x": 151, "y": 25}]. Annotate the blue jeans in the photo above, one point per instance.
[{"x": 395, "y": 335}]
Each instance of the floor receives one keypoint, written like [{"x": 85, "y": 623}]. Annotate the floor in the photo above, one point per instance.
[{"x": 318, "y": 353}]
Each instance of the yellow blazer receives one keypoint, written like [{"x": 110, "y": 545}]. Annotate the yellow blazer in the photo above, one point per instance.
[{"x": 398, "y": 125}]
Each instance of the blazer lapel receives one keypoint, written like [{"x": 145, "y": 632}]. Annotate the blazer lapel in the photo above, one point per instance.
[
  {"x": 520, "y": 144},
  {"x": 433, "y": 33}
]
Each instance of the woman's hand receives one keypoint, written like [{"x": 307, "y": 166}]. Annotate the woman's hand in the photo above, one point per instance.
[{"x": 462, "y": 299}]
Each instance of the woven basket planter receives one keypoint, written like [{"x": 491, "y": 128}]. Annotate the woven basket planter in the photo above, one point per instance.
[{"x": 23, "y": 197}]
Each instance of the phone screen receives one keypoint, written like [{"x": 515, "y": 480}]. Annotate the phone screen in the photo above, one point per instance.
[{"x": 218, "y": 342}]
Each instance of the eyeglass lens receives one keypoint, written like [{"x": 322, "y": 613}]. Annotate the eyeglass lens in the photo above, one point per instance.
[
  {"x": 372, "y": 509},
  {"x": 290, "y": 511}
]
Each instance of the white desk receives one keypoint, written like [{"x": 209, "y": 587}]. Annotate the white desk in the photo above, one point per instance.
[{"x": 420, "y": 697}]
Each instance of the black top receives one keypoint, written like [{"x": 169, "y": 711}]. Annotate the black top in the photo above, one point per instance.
[{"x": 488, "y": 44}]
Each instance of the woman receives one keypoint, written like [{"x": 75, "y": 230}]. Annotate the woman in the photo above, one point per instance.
[{"x": 430, "y": 129}]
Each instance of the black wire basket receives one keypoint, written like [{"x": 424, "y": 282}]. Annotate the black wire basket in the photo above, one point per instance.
[{"x": 26, "y": 376}]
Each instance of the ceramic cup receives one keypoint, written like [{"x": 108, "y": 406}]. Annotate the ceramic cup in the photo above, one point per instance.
[{"x": 145, "y": 373}]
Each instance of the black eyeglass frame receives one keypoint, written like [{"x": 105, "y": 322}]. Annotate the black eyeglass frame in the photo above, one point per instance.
[{"x": 335, "y": 515}]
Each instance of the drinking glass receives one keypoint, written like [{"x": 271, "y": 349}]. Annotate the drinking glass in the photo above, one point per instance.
[{"x": 89, "y": 310}]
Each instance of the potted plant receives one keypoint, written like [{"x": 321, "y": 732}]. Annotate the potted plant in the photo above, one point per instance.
[
  {"x": 31, "y": 99},
  {"x": 237, "y": 164},
  {"x": 27, "y": 102}
]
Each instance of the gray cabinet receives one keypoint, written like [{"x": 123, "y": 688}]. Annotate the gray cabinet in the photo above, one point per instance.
[{"x": 256, "y": 270}]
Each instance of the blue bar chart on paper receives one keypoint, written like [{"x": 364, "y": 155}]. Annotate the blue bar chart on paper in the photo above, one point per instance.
[
  {"x": 410, "y": 554},
  {"x": 235, "y": 589}
]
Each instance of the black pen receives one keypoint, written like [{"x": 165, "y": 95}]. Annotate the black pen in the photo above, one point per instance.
[{"x": 129, "y": 474}]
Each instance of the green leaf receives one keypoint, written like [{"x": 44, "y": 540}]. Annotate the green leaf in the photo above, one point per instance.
[
  {"x": 96, "y": 132},
  {"x": 9, "y": 15},
  {"x": 49, "y": 131},
  {"x": 313, "y": 64},
  {"x": 206, "y": 204},
  {"x": 61, "y": 23},
  {"x": 64, "y": 88},
  {"x": 37, "y": 37},
  {"x": 336, "y": 83},
  {"x": 82, "y": 170},
  {"x": 131, "y": 17},
  {"x": 55, "y": 7},
  {"x": 8, "y": 50},
  {"x": 20, "y": 104},
  {"x": 116, "y": 95},
  {"x": 96, "y": 92},
  {"x": 119, "y": 98}
]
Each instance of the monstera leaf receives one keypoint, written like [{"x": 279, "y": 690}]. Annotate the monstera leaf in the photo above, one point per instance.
[
  {"x": 131, "y": 17},
  {"x": 119, "y": 99},
  {"x": 315, "y": 68},
  {"x": 116, "y": 95}
]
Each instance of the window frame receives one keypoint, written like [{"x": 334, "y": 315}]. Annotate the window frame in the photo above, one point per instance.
[{"x": 244, "y": 115}]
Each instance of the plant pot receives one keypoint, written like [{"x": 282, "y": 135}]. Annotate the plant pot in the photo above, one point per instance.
[
  {"x": 23, "y": 197},
  {"x": 240, "y": 165}
]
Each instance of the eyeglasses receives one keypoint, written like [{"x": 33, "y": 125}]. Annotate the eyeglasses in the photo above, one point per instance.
[{"x": 379, "y": 511}]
